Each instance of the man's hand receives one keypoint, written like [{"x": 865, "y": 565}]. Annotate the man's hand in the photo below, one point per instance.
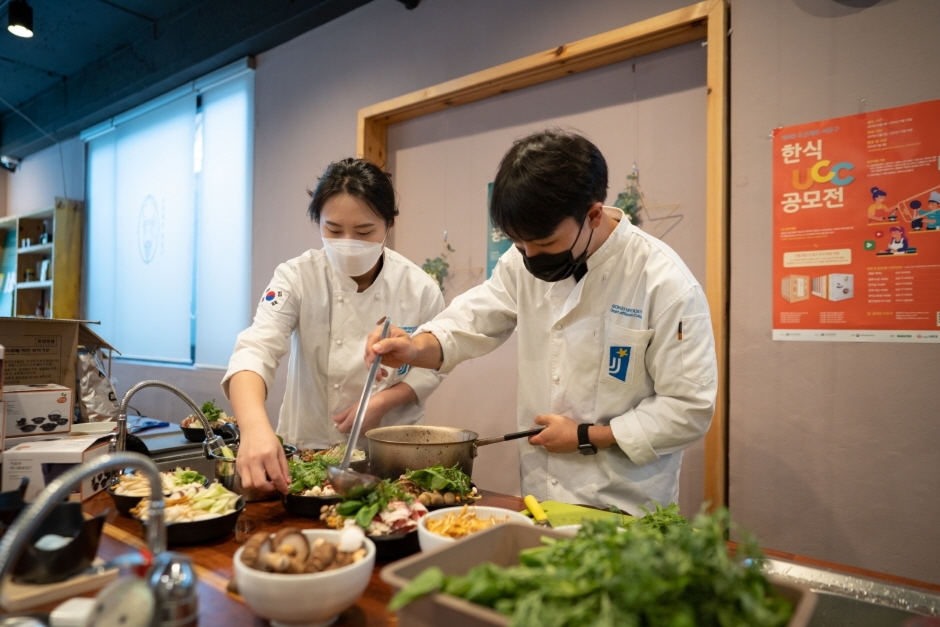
[
  {"x": 377, "y": 409},
  {"x": 261, "y": 463},
  {"x": 559, "y": 436},
  {"x": 399, "y": 349}
]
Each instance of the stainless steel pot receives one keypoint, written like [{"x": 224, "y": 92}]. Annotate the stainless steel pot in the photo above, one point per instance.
[{"x": 393, "y": 450}]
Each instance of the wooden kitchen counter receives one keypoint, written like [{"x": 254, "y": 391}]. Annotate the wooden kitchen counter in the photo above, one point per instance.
[{"x": 219, "y": 608}]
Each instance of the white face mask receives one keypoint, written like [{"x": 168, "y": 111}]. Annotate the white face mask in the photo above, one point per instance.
[{"x": 352, "y": 257}]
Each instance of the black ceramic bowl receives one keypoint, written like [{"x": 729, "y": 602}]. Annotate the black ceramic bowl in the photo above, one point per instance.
[
  {"x": 200, "y": 531},
  {"x": 11, "y": 504},
  {"x": 36, "y": 566},
  {"x": 198, "y": 434},
  {"x": 124, "y": 504},
  {"x": 307, "y": 506},
  {"x": 396, "y": 546}
]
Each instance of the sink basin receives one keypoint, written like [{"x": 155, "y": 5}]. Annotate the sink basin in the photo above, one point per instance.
[
  {"x": 835, "y": 610},
  {"x": 849, "y": 600}
]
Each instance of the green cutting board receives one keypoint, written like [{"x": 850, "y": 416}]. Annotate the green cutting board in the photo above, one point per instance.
[{"x": 561, "y": 514}]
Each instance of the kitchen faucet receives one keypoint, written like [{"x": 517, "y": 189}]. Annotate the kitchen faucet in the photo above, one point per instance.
[{"x": 212, "y": 445}]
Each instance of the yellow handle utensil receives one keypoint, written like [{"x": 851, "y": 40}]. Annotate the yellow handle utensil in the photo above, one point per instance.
[{"x": 541, "y": 518}]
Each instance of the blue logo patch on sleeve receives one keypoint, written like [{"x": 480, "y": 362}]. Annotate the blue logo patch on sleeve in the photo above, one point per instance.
[
  {"x": 619, "y": 362},
  {"x": 404, "y": 369}
]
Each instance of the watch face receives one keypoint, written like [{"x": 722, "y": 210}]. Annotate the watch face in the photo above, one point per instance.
[{"x": 587, "y": 449}]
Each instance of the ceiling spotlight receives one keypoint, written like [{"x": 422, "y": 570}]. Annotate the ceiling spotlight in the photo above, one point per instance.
[{"x": 21, "y": 18}]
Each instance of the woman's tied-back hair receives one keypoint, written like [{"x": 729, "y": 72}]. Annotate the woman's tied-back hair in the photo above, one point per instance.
[
  {"x": 877, "y": 192},
  {"x": 543, "y": 179},
  {"x": 356, "y": 177}
]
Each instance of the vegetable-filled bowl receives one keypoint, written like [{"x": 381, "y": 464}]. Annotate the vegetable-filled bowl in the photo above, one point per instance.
[
  {"x": 131, "y": 487},
  {"x": 445, "y": 526},
  {"x": 197, "y": 514},
  {"x": 192, "y": 427},
  {"x": 310, "y": 489},
  {"x": 387, "y": 513},
  {"x": 303, "y": 599}
]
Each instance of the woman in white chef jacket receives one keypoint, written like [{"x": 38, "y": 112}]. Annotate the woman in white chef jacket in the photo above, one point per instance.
[
  {"x": 616, "y": 353},
  {"x": 322, "y": 305}
]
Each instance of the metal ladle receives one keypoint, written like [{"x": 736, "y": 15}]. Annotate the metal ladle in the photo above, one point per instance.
[{"x": 345, "y": 481}]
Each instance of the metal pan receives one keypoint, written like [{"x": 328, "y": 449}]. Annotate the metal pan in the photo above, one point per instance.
[{"x": 393, "y": 450}]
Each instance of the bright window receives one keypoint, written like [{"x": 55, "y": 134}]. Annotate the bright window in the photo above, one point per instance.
[{"x": 169, "y": 222}]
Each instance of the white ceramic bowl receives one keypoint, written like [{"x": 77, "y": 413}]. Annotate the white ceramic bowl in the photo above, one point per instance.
[
  {"x": 430, "y": 541},
  {"x": 305, "y": 600}
]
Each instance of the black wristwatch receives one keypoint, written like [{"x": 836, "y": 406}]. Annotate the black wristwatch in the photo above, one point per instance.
[{"x": 584, "y": 443}]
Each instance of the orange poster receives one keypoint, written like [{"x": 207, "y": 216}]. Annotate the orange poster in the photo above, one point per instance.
[{"x": 856, "y": 250}]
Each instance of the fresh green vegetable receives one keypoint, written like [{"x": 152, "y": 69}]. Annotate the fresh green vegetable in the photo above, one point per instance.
[
  {"x": 226, "y": 469},
  {"x": 663, "y": 517},
  {"x": 211, "y": 411},
  {"x": 441, "y": 479},
  {"x": 367, "y": 505},
  {"x": 652, "y": 573},
  {"x": 306, "y": 475},
  {"x": 186, "y": 476},
  {"x": 429, "y": 580},
  {"x": 216, "y": 500}
]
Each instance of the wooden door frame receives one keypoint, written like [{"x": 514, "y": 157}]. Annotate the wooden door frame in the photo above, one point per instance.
[{"x": 706, "y": 20}]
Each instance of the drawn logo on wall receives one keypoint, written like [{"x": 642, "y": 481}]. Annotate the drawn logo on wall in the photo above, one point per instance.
[
  {"x": 619, "y": 362},
  {"x": 149, "y": 229}
]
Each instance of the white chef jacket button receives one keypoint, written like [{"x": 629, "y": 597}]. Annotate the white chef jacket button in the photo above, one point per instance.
[
  {"x": 554, "y": 481},
  {"x": 339, "y": 298},
  {"x": 336, "y": 386},
  {"x": 339, "y": 342},
  {"x": 558, "y": 327},
  {"x": 377, "y": 297},
  {"x": 555, "y": 378}
]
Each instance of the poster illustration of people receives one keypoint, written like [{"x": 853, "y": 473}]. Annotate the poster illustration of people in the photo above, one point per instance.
[{"x": 856, "y": 229}]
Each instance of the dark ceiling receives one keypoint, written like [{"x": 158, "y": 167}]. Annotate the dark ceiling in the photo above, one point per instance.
[{"x": 91, "y": 59}]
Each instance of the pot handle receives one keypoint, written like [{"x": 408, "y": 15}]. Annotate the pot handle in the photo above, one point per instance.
[{"x": 508, "y": 436}]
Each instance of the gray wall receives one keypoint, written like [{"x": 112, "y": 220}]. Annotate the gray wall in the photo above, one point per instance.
[{"x": 833, "y": 447}]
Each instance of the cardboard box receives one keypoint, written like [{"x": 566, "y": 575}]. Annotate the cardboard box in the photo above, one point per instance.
[
  {"x": 45, "y": 461},
  {"x": 37, "y": 410},
  {"x": 45, "y": 350}
]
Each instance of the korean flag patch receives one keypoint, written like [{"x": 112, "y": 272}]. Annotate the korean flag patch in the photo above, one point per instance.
[
  {"x": 618, "y": 363},
  {"x": 274, "y": 298}
]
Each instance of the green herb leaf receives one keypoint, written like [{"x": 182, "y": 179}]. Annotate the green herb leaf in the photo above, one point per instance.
[{"x": 430, "y": 580}]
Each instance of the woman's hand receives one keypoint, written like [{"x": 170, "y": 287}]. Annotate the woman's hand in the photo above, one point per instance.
[
  {"x": 559, "y": 436},
  {"x": 261, "y": 462},
  {"x": 377, "y": 409}
]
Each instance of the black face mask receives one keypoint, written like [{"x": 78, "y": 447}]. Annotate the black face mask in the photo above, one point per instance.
[{"x": 553, "y": 267}]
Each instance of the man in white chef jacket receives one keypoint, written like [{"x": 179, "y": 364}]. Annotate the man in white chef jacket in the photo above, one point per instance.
[{"x": 616, "y": 352}]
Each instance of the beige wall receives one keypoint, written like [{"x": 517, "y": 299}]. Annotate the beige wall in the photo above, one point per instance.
[
  {"x": 833, "y": 446},
  {"x": 54, "y": 171}
]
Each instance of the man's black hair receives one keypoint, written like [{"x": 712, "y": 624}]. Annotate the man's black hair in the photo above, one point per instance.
[
  {"x": 356, "y": 177},
  {"x": 543, "y": 179}
]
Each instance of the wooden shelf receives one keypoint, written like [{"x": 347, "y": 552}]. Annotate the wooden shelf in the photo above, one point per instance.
[
  {"x": 36, "y": 249},
  {"x": 59, "y": 294},
  {"x": 34, "y": 285}
]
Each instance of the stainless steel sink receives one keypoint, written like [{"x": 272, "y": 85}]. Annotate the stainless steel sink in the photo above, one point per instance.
[{"x": 848, "y": 600}]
